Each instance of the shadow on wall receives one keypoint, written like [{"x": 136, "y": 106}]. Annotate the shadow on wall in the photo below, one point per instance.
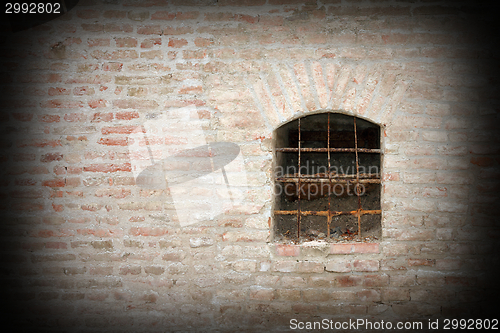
[{"x": 204, "y": 179}]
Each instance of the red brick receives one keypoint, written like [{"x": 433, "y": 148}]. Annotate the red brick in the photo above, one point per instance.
[
  {"x": 134, "y": 270},
  {"x": 482, "y": 161},
  {"x": 94, "y": 104},
  {"x": 25, "y": 182},
  {"x": 119, "y": 14},
  {"x": 81, "y": 91},
  {"x": 115, "y": 55},
  {"x": 202, "y": 42},
  {"x": 88, "y": 79},
  {"x": 365, "y": 265},
  {"x": 27, "y": 206},
  {"x": 376, "y": 280},
  {"x": 310, "y": 267},
  {"x": 106, "y": 168},
  {"x": 121, "y": 130},
  {"x": 194, "y": 54},
  {"x": 126, "y": 42},
  {"x": 56, "y": 245},
  {"x": 112, "y": 27},
  {"x": 22, "y": 157},
  {"x": 262, "y": 294},
  {"x": 242, "y": 2},
  {"x": 100, "y": 116},
  {"x": 50, "y": 157},
  {"x": 149, "y": 30},
  {"x": 114, "y": 193},
  {"x": 22, "y": 116},
  {"x": 287, "y": 250},
  {"x": 191, "y": 90},
  {"x": 448, "y": 264},
  {"x": 304, "y": 308},
  {"x": 88, "y": 13},
  {"x": 54, "y": 183},
  {"x": 112, "y": 67},
  {"x": 341, "y": 248},
  {"x": 395, "y": 294},
  {"x": 127, "y": 115},
  {"x": 163, "y": 15},
  {"x": 135, "y": 104},
  {"x": 26, "y": 194},
  {"x": 75, "y": 117},
  {"x": 171, "y": 31},
  {"x": 349, "y": 280},
  {"x": 421, "y": 262},
  {"x": 151, "y": 42},
  {"x": 113, "y": 141},
  {"x": 366, "y": 248},
  {"x": 186, "y": 15},
  {"x": 148, "y": 231},
  {"x": 57, "y": 103},
  {"x": 338, "y": 265},
  {"x": 177, "y": 43},
  {"x": 58, "y": 91}
]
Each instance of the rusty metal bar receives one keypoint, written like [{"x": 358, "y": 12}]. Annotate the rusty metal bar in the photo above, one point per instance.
[
  {"x": 298, "y": 198},
  {"x": 324, "y": 180},
  {"x": 357, "y": 212},
  {"x": 336, "y": 176},
  {"x": 357, "y": 176},
  {"x": 333, "y": 150},
  {"x": 329, "y": 218}
]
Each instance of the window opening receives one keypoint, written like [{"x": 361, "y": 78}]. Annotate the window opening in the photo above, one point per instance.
[{"x": 327, "y": 179}]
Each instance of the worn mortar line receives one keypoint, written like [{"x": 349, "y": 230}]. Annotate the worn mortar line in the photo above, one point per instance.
[
  {"x": 347, "y": 87},
  {"x": 338, "y": 67},
  {"x": 360, "y": 88},
  {"x": 369, "y": 112},
  {"x": 312, "y": 86},
  {"x": 265, "y": 84},
  {"x": 347, "y": 70},
  {"x": 364, "y": 85},
  {"x": 282, "y": 86},
  {"x": 294, "y": 79},
  {"x": 324, "y": 76},
  {"x": 258, "y": 104},
  {"x": 390, "y": 100}
]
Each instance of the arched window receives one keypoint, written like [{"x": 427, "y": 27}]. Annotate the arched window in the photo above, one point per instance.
[{"x": 327, "y": 171}]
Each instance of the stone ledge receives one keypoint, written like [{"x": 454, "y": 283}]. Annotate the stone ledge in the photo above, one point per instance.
[{"x": 295, "y": 250}]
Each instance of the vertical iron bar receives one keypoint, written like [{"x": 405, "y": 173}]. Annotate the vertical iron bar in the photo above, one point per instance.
[
  {"x": 357, "y": 178},
  {"x": 329, "y": 218},
  {"x": 299, "y": 189}
]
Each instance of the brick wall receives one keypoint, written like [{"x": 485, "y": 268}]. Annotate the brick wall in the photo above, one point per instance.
[{"x": 92, "y": 99}]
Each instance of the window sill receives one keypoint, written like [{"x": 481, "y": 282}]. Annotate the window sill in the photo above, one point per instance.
[{"x": 323, "y": 249}]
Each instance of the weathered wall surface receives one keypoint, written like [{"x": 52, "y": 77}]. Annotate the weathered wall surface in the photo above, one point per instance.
[{"x": 93, "y": 98}]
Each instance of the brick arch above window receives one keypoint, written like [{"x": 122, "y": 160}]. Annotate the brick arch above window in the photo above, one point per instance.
[{"x": 284, "y": 90}]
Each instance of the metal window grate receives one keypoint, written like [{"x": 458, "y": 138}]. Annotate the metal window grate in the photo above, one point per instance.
[{"x": 302, "y": 183}]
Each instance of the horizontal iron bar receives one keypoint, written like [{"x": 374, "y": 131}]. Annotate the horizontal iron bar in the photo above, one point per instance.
[
  {"x": 324, "y": 150},
  {"x": 361, "y": 212},
  {"x": 326, "y": 180},
  {"x": 325, "y": 175}
]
